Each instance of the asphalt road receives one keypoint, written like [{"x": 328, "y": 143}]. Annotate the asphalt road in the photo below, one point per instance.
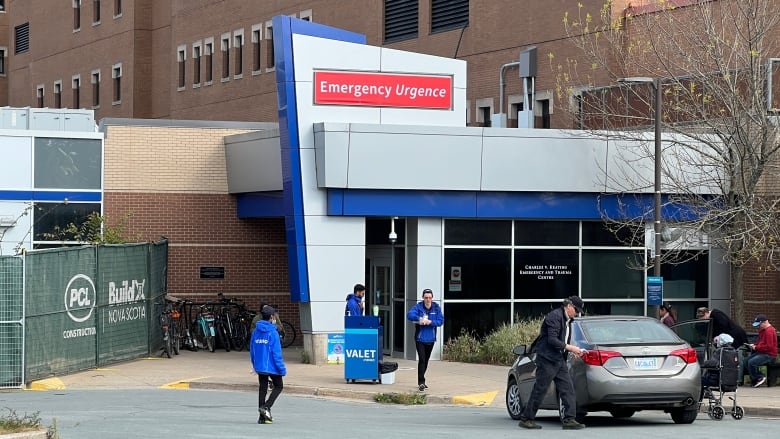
[{"x": 161, "y": 413}]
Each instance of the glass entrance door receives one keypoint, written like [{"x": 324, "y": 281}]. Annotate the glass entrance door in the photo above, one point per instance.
[{"x": 381, "y": 299}]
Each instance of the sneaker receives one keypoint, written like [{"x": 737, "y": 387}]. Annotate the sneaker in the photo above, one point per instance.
[
  {"x": 571, "y": 424},
  {"x": 760, "y": 381},
  {"x": 425, "y": 385},
  {"x": 422, "y": 387},
  {"x": 265, "y": 413},
  {"x": 261, "y": 419},
  {"x": 529, "y": 424}
]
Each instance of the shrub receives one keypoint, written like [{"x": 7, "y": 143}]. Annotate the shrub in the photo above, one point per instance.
[
  {"x": 11, "y": 422},
  {"x": 400, "y": 398},
  {"x": 496, "y": 347}
]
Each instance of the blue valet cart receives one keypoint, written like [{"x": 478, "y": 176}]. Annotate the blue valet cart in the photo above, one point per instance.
[{"x": 363, "y": 348}]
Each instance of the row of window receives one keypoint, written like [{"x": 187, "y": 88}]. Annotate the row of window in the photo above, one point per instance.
[
  {"x": 402, "y": 17},
  {"x": 76, "y": 86},
  {"x": 232, "y": 54},
  {"x": 96, "y": 10}
]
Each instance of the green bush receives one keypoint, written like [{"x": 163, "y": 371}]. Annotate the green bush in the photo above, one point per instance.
[
  {"x": 496, "y": 347},
  {"x": 400, "y": 398},
  {"x": 11, "y": 422}
]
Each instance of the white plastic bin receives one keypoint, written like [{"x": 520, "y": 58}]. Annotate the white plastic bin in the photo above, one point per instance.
[{"x": 388, "y": 378}]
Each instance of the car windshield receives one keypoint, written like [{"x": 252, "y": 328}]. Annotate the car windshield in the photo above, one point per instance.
[{"x": 628, "y": 331}]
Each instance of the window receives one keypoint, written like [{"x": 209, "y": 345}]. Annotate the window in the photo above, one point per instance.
[
  {"x": 269, "y": 47},
  {"x": 196, "y": 64},
  {"x": 58, "y": 94},
  {"x": 50, "y": 217},
  {"x": 116, "y": 79},
  {"x": 22, "y": 38},
  {"x": 76, "y": 14},
  {"x": 2, "y": 5},
  {"x": 76, "y": 85},
  {"x": 117, "y": 8},
  {"x": 225, "y": 56},
  {"x": 542, "y": 114},
  {"x": 238, "y": 52},
  {"x": 181, "y": 58},
  {"x": 95, "y": 88},
  {"x": 3, "y": 52},
  {"x": 449, "y": 14},
  {"x": 39, "y": 96},
  {"x": 256, "y": 53},
  {"x": 305, "y": 15},
  {"x": 209, "y": 61},
  {"x": 67, "y": 163},
  {"x": 401, "y": 19},
  {"x": 95, "y": 11}
]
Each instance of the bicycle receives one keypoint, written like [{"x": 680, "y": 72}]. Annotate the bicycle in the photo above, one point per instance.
[
  {"x": 168, "y": 328},
  {"x": 204, "y": 327}
]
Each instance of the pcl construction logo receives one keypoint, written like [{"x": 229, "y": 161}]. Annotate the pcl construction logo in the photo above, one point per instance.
[{"x": 80, "y": 298}]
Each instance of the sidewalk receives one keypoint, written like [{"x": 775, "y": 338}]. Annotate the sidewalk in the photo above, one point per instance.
[{"x": 449, "y": 382}]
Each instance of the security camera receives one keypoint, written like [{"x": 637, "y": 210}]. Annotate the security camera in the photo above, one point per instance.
[{"x": 392, "y": 237}]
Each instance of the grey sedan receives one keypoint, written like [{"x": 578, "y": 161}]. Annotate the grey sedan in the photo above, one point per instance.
[{"x": 630, "y": 364}]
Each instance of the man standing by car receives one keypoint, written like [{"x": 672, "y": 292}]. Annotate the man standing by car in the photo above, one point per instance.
[
  {"x": 551, "y": 348},
  {"x": 764, "y": 351}
]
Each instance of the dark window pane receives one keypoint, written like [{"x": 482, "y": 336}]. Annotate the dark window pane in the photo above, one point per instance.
[
  {"x": 67, "y": 163},
  {"x": 484, "y": 274},
  {"x": 48, "y": 216},
  {"x": 596, "y": 233},
  {"x": 612, "y": 274},
  {"x": 607, "y": 308},
  {"x": 687, "y": 279},
  {"x": 545, "y": 274},
  {"x": 473, "y": 232},
  {"x": 477, "y": 318},
  {"x": 546, "y": 233}
]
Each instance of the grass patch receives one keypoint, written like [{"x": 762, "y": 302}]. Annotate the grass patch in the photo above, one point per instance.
[
  {"x": 400, "y": 398},
  {"x": 12, "y": 422},
  {"x": 496, "y": 347}
]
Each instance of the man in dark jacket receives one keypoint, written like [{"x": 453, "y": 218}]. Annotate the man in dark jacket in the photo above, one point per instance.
[{"x": 551, "y": 349}]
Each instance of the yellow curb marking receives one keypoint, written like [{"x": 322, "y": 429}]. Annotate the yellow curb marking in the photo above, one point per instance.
[
  {"x": 47, "y": 384},
  {"x": 476, "y": 398},
  {"x": 182, "y": 384}
]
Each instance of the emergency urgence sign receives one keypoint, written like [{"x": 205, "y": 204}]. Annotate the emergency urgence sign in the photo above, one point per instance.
[{"x": 383, "y": 89}]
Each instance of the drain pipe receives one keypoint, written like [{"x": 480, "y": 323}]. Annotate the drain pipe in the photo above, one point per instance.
[{"x": 501, "y": 113}]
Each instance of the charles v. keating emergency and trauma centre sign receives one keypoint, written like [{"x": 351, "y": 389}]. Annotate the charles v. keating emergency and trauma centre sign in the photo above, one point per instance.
[{"x": 376, "y": 89}]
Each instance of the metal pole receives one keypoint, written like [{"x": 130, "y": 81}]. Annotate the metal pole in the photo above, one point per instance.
[{"x": 657, "y": 159}]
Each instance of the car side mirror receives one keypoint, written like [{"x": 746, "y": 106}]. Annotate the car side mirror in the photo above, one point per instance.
[{"x": 519, "y": 350}]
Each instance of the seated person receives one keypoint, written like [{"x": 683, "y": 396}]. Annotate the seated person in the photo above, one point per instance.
[
  {"x": 764, "y": 351},
  {"x": 725, "y": 357}
]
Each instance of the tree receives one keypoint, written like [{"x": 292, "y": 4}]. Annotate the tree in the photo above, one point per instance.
[{"x": 712, "y": 58}]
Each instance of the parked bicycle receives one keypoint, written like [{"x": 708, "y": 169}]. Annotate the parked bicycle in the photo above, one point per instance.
[
  {"x": 170, "y": 338},
  {"x": 204, "y": 328}
]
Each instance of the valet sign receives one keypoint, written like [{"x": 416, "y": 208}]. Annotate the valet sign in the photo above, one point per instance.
[{"x": 383, "y": 89}]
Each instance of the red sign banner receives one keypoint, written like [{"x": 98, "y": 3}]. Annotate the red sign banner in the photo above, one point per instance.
[{"x": 383, "y": 90}]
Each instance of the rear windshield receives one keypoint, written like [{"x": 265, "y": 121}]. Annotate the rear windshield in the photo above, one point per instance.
[{"x": 628, "y": 331}]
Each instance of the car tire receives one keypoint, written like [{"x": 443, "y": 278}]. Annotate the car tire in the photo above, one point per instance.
[
  {"x": 514, "y": 405},
  {"x": 685, "y": 415},
  {"x": 622, "y": 413}
]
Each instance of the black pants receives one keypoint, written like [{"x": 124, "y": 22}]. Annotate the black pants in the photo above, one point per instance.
[
  {"x": 546, "y": 372},
  {"x": 424, "y": 354},
  {"x": 278, "y": 386}
]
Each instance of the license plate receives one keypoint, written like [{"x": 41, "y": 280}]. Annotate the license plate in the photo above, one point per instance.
[{"x": 646, "y": 363}]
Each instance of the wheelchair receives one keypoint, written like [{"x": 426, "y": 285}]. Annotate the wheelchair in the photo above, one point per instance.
[{"x": 726, "y": 387}]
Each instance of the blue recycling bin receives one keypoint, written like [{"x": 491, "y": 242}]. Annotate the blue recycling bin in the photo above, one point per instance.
[{"x": 362, "y": 348}]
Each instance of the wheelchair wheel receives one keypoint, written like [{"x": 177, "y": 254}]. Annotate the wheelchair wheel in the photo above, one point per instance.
[
  {"x": 717, "y": 412},
  {"x": 738, "y": 413}
]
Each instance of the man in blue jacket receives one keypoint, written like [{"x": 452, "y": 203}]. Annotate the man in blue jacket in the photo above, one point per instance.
[
  {"x": 265, "y": 351},
  {"x": 355, "y": 301},
  {"x": 551, "y": 350},
  {"x": 427, "y": 316}
]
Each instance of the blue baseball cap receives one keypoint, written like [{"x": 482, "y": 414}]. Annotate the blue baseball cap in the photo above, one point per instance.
[{"x": 759, "y": 319}]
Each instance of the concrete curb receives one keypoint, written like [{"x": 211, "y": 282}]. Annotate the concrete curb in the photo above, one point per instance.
[{"x": 37, "y": 434}]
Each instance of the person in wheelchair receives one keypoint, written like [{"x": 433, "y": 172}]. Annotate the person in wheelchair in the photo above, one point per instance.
[{"x": 720, "y": 370}]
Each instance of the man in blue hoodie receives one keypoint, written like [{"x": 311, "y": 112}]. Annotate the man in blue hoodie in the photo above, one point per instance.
[
  {"x": 355, "y": 301},
  {"x": 265, "y": 351},
  {"x": 427, "y": 316}
]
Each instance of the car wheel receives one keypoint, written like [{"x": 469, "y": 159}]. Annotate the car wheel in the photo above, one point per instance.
[
  {"x": 684, "y": 415},
  {"x": 514, "y": 405},
  {"x": 622, "y": 413}
]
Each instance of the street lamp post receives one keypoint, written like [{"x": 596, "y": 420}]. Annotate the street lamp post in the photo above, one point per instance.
[{"x": 656, "y": 83}]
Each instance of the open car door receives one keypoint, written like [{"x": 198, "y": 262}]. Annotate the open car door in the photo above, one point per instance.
[{"x": 698, "y": 334}]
